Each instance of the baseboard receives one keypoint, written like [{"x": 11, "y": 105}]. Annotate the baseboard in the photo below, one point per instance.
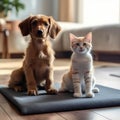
[
  {"x": 17, "y": 55},
  {"x": 64, "y": 54},
  {"x": 107, "y": 56},
  {"x": 97, "y": 55},
  {"x": 14, "y": 55}
]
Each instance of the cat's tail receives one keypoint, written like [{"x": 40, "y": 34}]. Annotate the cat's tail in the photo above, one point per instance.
[
  {"x": 66, "y": 84},
  {"x": 63, "y": 87},
  {"x": 95, "y": 90}
]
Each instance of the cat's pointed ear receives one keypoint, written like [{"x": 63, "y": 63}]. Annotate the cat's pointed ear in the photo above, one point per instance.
[
  {"x": 72, "y": 37},
  {"x": 88, "y": 37}
]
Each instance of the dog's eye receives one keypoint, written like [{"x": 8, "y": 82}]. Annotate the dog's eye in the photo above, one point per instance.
[
  {"x": 34, "y": 23},
  {"x": 46, "y": 24}
]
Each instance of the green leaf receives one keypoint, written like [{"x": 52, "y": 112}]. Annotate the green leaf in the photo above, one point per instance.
[{"x": 8, "y": 5}]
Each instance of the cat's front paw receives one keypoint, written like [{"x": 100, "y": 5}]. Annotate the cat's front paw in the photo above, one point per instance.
[
  {"x": 90, "y": 95},
  {"x": 77, "y": 95},
  {"x": 95, "y": 90}
]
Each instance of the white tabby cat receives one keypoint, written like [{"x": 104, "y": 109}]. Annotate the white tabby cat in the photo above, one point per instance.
[{"x": 80, "y": 78}]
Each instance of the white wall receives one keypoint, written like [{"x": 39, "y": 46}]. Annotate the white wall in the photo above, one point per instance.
[
  {"x": 86, "y": 11},
  {"x": 47, "y": 7}
]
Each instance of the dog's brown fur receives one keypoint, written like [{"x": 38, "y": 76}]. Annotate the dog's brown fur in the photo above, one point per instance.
[{"x": 39, "y": 57}]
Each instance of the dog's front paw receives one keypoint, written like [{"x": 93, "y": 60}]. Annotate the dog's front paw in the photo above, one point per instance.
[
  {"x": 52, "y": 91},
  {"x": 32, "y": 92}
]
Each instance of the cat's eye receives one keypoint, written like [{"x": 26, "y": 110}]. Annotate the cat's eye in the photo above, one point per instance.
[
  {"x": 84, "y": 44},
  {"x": 77, "y": 44}
]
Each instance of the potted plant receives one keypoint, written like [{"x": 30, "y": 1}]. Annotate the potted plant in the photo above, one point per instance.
[{"x": 8, "y": 5}]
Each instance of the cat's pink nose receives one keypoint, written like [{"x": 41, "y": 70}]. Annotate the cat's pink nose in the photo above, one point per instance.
[{"x": 81, "y": 48}]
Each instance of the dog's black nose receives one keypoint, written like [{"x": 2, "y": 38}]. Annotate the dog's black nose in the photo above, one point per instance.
[{"x": 40, "y": 32}]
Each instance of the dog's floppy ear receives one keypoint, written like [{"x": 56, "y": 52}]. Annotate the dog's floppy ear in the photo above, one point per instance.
[
  {"x": 54, "y": 28},
  {"x": 25, "y": 26}
]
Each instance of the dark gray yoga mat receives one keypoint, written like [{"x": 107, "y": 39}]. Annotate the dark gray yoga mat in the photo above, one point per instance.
[{"x": 44, "y": 103}]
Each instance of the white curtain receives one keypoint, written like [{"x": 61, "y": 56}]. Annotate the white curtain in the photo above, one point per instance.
[{"x": 67, "y": 10}]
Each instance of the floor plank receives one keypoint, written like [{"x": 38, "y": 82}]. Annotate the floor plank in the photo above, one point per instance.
[
  {"x": 104, "y": 78},
  {"x": 3, "y": 114},
  {"x": 9, "y": 112},
  {"x": 81, "y": 115},
  {"x": 110, "y": 113},
  {"x": 2, "y": 99},
  {"x": 15, "y": 115}
]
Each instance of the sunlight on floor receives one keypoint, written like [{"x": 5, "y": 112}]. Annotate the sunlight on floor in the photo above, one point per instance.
[{"x": 8, "y": 65}]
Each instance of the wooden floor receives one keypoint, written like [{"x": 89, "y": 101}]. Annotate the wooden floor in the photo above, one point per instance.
[{"x": 9, "y": 112}]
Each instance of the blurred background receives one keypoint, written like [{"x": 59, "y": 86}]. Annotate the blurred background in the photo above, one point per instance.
[
  {"x": 76, "y": 16},
  {"x": 82, "y": 11}
]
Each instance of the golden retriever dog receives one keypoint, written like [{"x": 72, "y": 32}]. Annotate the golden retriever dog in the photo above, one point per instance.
[{"x": 38, "y": 61}]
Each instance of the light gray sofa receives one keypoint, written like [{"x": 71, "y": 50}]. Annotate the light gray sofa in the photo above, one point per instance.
[{"x": 106, "y": 38}]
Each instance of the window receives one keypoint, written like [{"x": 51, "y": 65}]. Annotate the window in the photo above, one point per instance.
[{"x": 99, "y": 11}]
